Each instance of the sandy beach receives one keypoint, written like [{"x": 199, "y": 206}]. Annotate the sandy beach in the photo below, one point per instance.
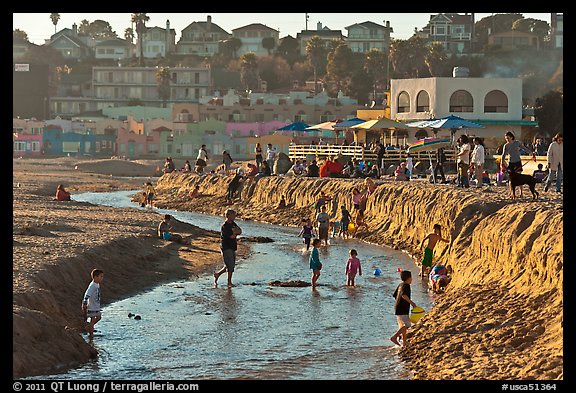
[
  {"x": 57, "y": 244},
  {"x": 500, "y": 318}
]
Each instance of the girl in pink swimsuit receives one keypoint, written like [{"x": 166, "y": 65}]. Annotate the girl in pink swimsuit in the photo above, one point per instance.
[{"x": 352, "y": 267}]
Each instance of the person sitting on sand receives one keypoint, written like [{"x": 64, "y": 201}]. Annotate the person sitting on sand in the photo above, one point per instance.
[
  {"x": 194, "y": 192},
  {"x": 252, "y": 170},
  {"x": 187, "y": 167},
  {"x": 164, "y": 231},
  {"x": 62, "y": 194},
  {"x": 282, "y": 203},
  {"x": 540, "y": 174},
  {"x": 401, "y": 173},
  {"x": 169, "y": 165}
]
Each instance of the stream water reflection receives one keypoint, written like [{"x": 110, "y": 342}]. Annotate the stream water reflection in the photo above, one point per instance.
[{"x": 190, "y": 330}]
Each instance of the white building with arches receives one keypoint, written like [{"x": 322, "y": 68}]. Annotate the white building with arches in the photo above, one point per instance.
[{"x": 496, "y": 103}]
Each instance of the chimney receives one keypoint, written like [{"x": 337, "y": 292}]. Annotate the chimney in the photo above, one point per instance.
[
  {"x": 168, "y": 35},
  {"x": 319, "y": 26},
  {"x": 209, "y": 23},
  {"x": 75, "y": 29}
]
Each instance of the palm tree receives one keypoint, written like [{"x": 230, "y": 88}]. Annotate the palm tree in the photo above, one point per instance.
[
  {"x": 315, "y": 50},
  {"x": 54, "y": 18},
  {"x": 140, "y": 21}
]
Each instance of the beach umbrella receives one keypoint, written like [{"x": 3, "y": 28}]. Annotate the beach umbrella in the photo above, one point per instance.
[
  {"x": 382, "y": 124},
  {"x": 350, "y": 123},
  {"x": 429, "y": 144},
  {"x": 346, "y": 124},
  {"x": 297, "y": 126},
  {"x": 327, "y": 125},
  {"x": 452, "y": 123}
]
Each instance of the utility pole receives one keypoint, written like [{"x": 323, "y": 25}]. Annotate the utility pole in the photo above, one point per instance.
[{"x": 307, "y": 21}]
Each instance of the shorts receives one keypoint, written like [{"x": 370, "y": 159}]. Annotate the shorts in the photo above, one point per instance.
[
  {"x": 515, "y": 166},
  {"x": 92, "y": 314},
  {"x": 200, "y": 162},
  {"x": 229, "y": 256},
  {"x": 403, "y": 320},
  {"x": 344, "y": 226},
  {"x": 427, "y": 261},
  {"x": 166, "y": 235},
  {"x": 149, "y": 197},
  {"x": 323, "y": 233}
]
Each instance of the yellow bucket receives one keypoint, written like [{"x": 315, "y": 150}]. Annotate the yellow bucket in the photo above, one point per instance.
[{"x": 416, "y": 314}]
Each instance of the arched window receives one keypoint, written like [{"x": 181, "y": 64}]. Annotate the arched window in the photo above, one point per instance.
[
  {"x": 461, "y": 101},
  {"x": 423, "y": 102},
  {"x": 496, "y": 102},
  {"x": 403, "y": 102}
]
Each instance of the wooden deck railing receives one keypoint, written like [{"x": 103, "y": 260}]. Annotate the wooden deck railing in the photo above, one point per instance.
[{"x": 299, "y": 152}]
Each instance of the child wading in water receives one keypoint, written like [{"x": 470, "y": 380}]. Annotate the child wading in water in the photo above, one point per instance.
[
  {"x": 91, "y": 301},
  {"x": 432, "y": 238},
  {"x": 402, "y": 307},
  {"x": 315, "y": 264},
  {"x": 307, "y": 233},
  {"x": 352, "y": 267}
]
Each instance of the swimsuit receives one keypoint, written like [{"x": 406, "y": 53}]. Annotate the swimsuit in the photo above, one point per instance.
[{"x": 427, "y": 261}]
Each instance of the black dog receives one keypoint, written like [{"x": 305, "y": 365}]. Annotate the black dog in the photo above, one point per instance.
[{"x": 518, "y": 180}]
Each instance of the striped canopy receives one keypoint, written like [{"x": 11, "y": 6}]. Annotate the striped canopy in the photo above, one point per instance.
[{"x": 428, "y": 144}]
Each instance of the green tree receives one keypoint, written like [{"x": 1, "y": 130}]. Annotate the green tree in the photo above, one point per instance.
[
  {"x": 435, "y": 59},
  {"x": 229, "y": 47},
  {"x": 289, "y": 49},
  {"x": 316, "y": 52},
  {"x": 268, "y": 43},
  {"x": 361, "y": 84},
  {"x": 99, "y": 29},
  {"x": 19, "y": 34},
  {"x": 249, "y": 70},
  {"x": 340, "y": 66},
  {"x": 140, "y": 21},
  {"x": 549, "y": 112},
  {"x": 496, "y": 23},
  {"x": 529, "y": 25},
  {"x": 129, "y": 35},
  {"x": 408, "y": 58},
  {"x": 55, "y": 18},
  {"x": 375, "y": 66},
  {"x": 163, "y": 79},
  {"x": 275, "y": 71},
  {"x": 45, "y": 54}
]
